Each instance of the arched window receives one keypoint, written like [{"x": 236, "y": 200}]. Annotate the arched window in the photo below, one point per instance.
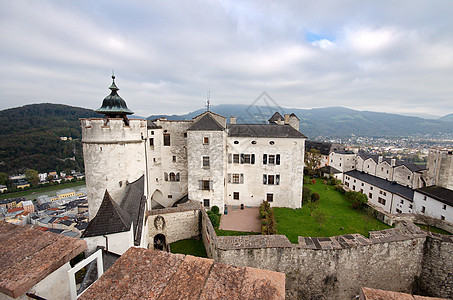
[{"x": 172, "y": 176}]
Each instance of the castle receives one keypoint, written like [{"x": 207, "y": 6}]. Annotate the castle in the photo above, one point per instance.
[{"x": 204, "y": 160}]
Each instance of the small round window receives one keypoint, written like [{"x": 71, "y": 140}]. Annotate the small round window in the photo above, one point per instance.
[
  {"x": 253, "y": 142},
  {"x": 271, "y": 142},
  {"x": 236, "y": 142}
]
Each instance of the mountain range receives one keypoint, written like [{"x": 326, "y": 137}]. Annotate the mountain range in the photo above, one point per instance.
[{"x": 30, "y": 135}]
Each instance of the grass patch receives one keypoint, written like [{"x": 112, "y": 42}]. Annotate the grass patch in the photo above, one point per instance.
[
  {"x": 433, "y": 229},
  {"x": 221, "y": 232},
  {"x": 189, "y": 246},
  {"x": 338, "y": 211},
  {"x": 41, "y": 190}
]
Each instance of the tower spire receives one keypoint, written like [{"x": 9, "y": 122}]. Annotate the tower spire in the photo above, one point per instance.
[
  {"x": 208, "y": 101},
  {"x": 113, "y": 106}
]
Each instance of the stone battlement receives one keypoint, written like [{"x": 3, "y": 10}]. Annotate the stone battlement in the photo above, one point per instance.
[{"x": 112, "y": 130}]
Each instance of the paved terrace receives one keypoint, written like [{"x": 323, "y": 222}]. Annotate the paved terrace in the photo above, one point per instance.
[{"x": 247, "y": 219}]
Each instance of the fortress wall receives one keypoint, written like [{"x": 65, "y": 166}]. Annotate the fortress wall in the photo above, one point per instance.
[
  {"x": 176, "y": 223},
  {"x": 398, "y": 259},
  {"x": 437, "y": 270}
]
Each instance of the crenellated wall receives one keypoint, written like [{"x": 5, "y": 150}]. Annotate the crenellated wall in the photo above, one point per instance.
[
  {"x": 113, "y": 154},
  {"x": 399, "y": 259}
]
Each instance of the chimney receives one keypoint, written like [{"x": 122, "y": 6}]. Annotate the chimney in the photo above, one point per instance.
[
  {"x": 393, "y": 162},
  {"x": 294, "y": 121},
  {"x": 232, "y": 120},
  {"x": 380, "y": 159},
  {"x": 286, "y": 119}
]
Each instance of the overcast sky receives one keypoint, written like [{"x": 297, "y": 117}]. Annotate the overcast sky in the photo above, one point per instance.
[{"x": 392, "y": 56}]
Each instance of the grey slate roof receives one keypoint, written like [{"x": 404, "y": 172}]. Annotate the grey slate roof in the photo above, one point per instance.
[
  {"x": 437, "y": 192},
  {"x": 206, "y": 123},
  {"x": 324, "y": 148},
  {"x": 411, "y": 166},
  {"x": 329, "y": 170},
  {"x": 110, "y": 218},
  {"x": 152, "y": 125},
  {"x": 275, "y": 117},
  {"x": 258, "y": 130},
  {"x": 383, "y": 184},
  {"x": 134, "y": 202}
]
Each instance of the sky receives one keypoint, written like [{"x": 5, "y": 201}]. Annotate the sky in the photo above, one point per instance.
[{"x": 387, "y": 56}]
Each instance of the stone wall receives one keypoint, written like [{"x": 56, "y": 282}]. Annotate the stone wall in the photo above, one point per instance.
[
  {"x": 437, "y": 272},
  {"x": 176, "y": 223},
  {"x": 337, "y": 267}
]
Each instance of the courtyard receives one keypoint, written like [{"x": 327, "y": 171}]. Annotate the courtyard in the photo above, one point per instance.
[{"x": 244, "y": 220}]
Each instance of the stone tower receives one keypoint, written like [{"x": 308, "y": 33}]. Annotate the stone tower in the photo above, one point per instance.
[{"x": 113, "y": 150}]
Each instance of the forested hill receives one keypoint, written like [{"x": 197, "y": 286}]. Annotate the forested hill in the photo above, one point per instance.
[
  {"x": 30, "y": 137},
  {"x": 335, "y": 121}
]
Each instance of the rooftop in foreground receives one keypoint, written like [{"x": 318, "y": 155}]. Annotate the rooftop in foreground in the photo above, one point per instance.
[
  {"x": 28, "y": 255},
  {"x": 148, "y": 274}
]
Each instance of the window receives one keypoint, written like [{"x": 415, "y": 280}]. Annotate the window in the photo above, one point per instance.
[
  {"x": 271, "y": 179},
  {"x": 271, "y": 142},
  {"x": 402, "y": 201},
  {"x": 253, "y": 142},
  {"x": 236, "y": 142},
  {"x": 424, "y": 198},
  {"x": 340, "y": 164},
  {"x": 151, "y": 141},
  {"x": 370, "y": 196},
  {"x": 381, "y": 200},
  {"x": 361, "y": 191},
  {"x": 444, "y": 207},
  {"x": 362, "y": 183},
  {"x": 347, "y": 184},
  {"x": 205, "y": 140},
  {"x": 398, "y": 211},
  {"x": 411, "y": 206},
  {"x": 236, "y": 178},
  {"x": 353, "y": 187},
  {"x": 383, "y": 193},
  {"x": 387, "y": 171},
  {"x": 423, "y": 209},
  {"x": 371, "y": 188},
  {"x": 166, "y": 139},
  {"x": 236, "y": 195},
  {"x": 354, "y": 181},
  {"x": 206, "y": 203},
  {"x": 270, "y": 197},
  {"x": 271, "y": 159},
  {"x": 206, "y": 162},
  {"x": 408, "y": 177},
  {"x": 170, "y": 196},
  {"x": 236, "y": 158},
  {"x": 205, "y": 185},
  {"x": 247, "y": 158},
  {"x": 172, "y": 176},
  {"x": 442, "y": 218},
  {"x": 185, "y": 134},
  {"x": 174, "y": 158},
  {"x": 152, "y": 131}
]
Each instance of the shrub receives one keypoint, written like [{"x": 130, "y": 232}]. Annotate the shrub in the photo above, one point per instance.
[
  {"x": 306, "y": 194},
  {"x": 215, "y": 219},
  {"x": 313, "y": 181},
  {"x": 267, "y": 219},
  {"x": 359, "y": 200},
  {"x": 314, "y": 197},
  {"x": 215, "y": 209}
]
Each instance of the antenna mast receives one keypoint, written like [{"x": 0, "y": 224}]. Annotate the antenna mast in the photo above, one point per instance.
[{"x": 208, "y": 102}]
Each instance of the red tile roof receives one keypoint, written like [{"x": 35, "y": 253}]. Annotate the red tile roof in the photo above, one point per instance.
[
  {"x": 142, "y": 273},
  {"x": 28, "y": 255}
]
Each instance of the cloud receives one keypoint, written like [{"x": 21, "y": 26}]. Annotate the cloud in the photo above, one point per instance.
[{"x": 382, "y": 55}]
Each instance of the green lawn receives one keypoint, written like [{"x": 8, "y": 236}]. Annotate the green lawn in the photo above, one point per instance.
[
  {"x": 233, "y": 233},
  {"x": 433, "y": 229},
  {"x": 189, "y": 246},
  {"x": 338, "y": 211},
  {"x": 41, "y": 189}
]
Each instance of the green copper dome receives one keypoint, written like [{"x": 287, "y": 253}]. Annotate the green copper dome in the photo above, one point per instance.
[{"x": 113, "y": 105}]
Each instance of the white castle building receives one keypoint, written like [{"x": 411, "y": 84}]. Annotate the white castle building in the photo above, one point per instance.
[{"x": 169, "y": 162}]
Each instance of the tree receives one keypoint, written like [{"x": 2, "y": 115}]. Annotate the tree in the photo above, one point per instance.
[
  {"x": 312, "y": 161},
  {"x": 320, "y": 217},
  {"x": 306, "y": 194},
  {"x": 312, "y": 206},
  {"x": 32, "y": 176},
  {"x": 3, "y": 178},
  {"x": 359, "y": 200}
]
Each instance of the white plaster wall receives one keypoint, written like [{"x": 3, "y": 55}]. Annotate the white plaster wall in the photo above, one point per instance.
[
  {"x": 54, "y": 286},
  {"x": 384, "y": 170},
  {"x": 369, "y": 166},
  {"x": 358, "y": 185},
  {"x": 117, "y": 242},
  {"x": 113, "y": 154},
  {"x": 252, "y": 192},
  {"x": 434, "y": 208},
  {"x": 342, "y": 162},
  {"x": 403, "y": 175},
  {"x": 216, "y": 150},
  {"x": 403, "y": 204}
]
